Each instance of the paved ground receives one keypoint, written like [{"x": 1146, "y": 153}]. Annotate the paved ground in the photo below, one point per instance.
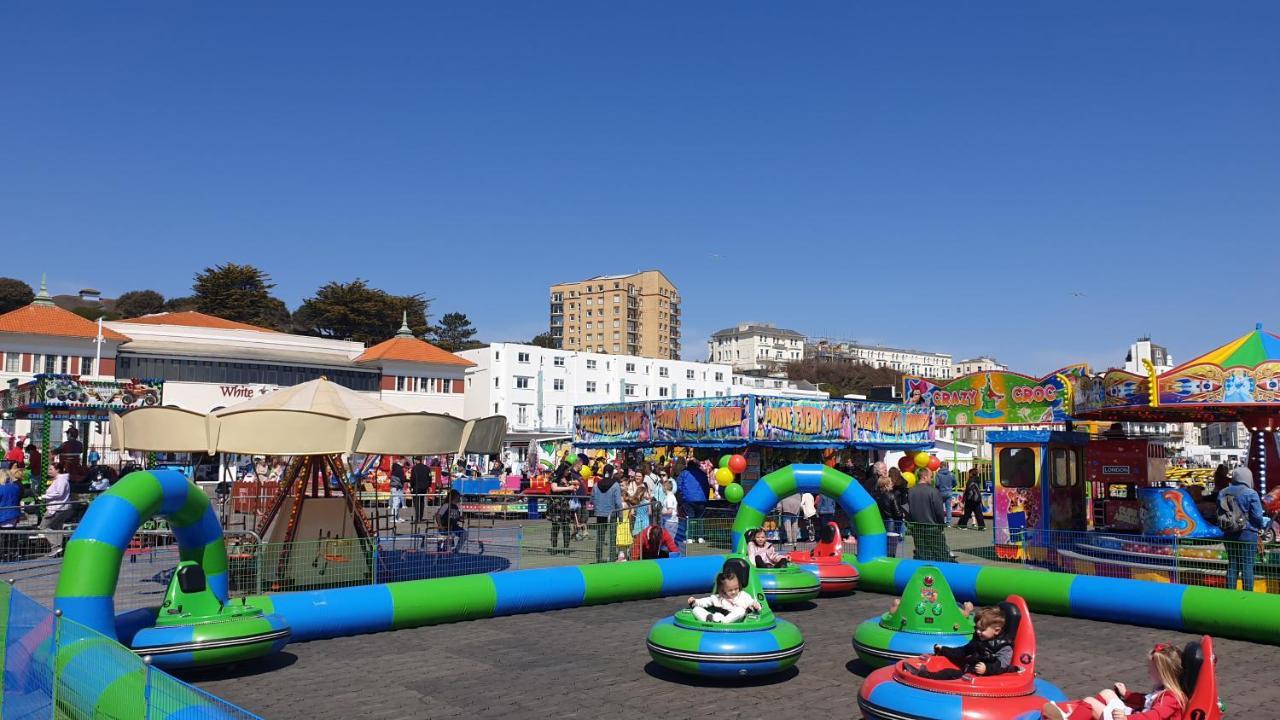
[{"x": 592, "y": 662}]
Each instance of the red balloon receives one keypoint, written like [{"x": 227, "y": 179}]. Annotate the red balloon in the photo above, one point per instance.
[
  {"x": 737, "y": 463},
  {"x": 906, "y": 463},
  {"x": 934, "y": 463}
]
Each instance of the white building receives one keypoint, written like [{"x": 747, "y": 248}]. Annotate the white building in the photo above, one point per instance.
[
  {"x": 977, "y": 365},
  {"x": 1144, "y": 349},
  {"x": 912, "y": 362},
  {"x": 1177, "y": 435},
  {"x": 537, "y": 388},
  {"x": 755, "y": 346}
]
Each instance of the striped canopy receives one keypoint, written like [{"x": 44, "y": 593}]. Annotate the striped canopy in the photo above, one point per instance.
[{"x": 1249, "y": 350}]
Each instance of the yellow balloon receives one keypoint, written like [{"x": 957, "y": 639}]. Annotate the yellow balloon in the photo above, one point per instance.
[
  {"x": 724, "y": 476},
  {"x": 586, "y": 472},
  {"x": 922, "y": 459},
  {"x": 910, "y": 477}
]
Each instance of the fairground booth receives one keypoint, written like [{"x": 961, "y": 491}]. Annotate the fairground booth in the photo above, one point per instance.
[
  {"x": 771, "y": 432},
  {"x": 84, "y": 403}
]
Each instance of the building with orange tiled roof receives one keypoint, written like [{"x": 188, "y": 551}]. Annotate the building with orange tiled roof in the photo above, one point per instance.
[{"x": 208, "y": 362}]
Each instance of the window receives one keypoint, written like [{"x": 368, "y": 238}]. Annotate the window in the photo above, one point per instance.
[
  {"x": 12, "y": 362},
  {"x": 558, "y": 361},
  {"x": 662, "y": 392},
  {"x": 591, "y": 364},
  {"x": 495, "y": 408},
  {"x": 629, "y": 389},
  {"x": 557, "y": 384},
  {"x": 522, "y": 357},
  {"x": 496, "y": 383},
  {"x": 64, "y": 364},
  {"x": 522, "y": 414},
  {"x": 588, "y": 302},
  {"x": 719, "y": 377},
  {"x": 1017, "y": 467},
  {"x": 588, "y": 324},
  {"x": 591, "y": 386},
  {"x": 497, "y": 355},
  {"x": 688, "y": 375},
  {"x": 399, "y": 384},
  {"x": 522, "y": 382},
  {"x": 559, "y": 415},
  {"x": 616, "y": 311},
  {"x": 662, "y": 372},
  {"x": 617, "y": 298}
]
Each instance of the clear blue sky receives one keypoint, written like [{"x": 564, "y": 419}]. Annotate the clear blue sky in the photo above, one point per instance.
[{"x": 940, "y": 175}]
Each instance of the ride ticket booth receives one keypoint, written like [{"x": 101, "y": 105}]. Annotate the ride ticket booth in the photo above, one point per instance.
[{"x": 1039, "y": 485}]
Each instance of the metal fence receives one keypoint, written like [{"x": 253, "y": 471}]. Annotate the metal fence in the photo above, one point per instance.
[{"x": 56, "y": 668}]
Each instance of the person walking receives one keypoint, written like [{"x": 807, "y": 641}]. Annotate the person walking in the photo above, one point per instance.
[
  {"x": 945, "y": 481},
  {"x": 420, "y": 483},
  {"x": 691, "y": 492},
  {"x": 972, "y": 501},
  {"x": 1241, "y": 518},
  {"x": 606, "y": 498},
  {"x": 10, "y": 512},
  {"x": 564, "y": 483},
  {"x": 791, "y": 509},
  {"x": 890, "y": 512},
  {"x": 927, "y": 519},
  {"x": 809, "y": 517}
]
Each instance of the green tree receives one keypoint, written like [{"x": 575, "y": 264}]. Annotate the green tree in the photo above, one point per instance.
[
  {"x": 238, "y": 292},
  {"x": 358, "y": 312},
  {"x": 543, "y": 340},
  {"x": 180, "y": 304},
  {"x": 14, "y": 294},
  {"x": 137, "y": 303},
  {"x": 93, "y": 312},
  {"x": 456, "y": 332}
]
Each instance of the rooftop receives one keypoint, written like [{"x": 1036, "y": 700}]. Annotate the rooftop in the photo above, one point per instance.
[
  {"x": 882, "y": 348},
  {"x": 762, "y": 328},
  {"x": 412, "y": 350},
  {"x": 191, "y": 318},
  {"x": 43, "y": 317}
]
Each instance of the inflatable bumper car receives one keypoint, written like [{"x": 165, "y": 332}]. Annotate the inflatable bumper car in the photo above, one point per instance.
[
  {"x": 1199, "y": 676},
  {"x": 195, "y": 629},
  {"x": 925, "y": 615},
  {"x": 760, "y": 644},
  {"x": 783, "y": 585},
  {"x": 826, "y": 560},
  {"x": 893, "y": 693}
]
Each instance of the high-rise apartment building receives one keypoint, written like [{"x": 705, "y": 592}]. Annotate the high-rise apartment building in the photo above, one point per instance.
[{"x": 637, "y": 314}]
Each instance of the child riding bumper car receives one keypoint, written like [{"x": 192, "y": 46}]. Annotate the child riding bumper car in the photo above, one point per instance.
[
  {"x": 926, "y": 615},
  {"x": 783, "y": 581},
  {"x": 725, "y": 635},
  {"x": 937, "y": 688}
]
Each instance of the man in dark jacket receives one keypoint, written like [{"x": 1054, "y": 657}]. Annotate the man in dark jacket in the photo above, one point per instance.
[
  {"x": 420, "y": 483},
  {"x": 691, "y": 491},
  {"x": 928, "y": 519}
]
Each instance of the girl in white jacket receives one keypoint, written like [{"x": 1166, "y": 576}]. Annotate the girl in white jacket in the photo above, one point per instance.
[{"x": 728, "y": 604}]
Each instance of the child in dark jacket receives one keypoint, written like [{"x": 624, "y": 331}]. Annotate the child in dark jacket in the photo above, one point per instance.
[{"x": 988, "y": 653}]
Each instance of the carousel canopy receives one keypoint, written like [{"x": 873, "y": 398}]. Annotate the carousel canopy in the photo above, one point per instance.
[
  {"x": 1237, "y": 380},
  {"x": 314, "y": 418}
]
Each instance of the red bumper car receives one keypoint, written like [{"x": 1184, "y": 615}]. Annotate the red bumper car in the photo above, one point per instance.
[
  {"x": 892, "y": 693},
  {"x": 827, "y": 562}
]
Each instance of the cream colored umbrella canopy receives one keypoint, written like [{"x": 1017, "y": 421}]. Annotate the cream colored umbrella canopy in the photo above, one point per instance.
[{"x": 319, "y": 417}]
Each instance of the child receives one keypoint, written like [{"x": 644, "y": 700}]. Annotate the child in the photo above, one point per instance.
[
  {"x": 728, "y": 604},
  {"x": 449, "y": 522},
  {"x": 760, "y": 553},
  {"x": 988, "y": 653},
  {"x": 653, "y": 543},
  {"x": 1166, "y": 700}
]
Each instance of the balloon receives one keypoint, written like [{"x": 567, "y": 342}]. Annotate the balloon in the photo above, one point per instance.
[
  {"x": 922, "y": 459},
  {"x": 910, "y": 477},
  {"x": 586, "y": 472},
  {"x": 934, "y": 463},
  {"x": 724, "y": 460},
  {"x": 724, "y": 476},
  {"x": 571, "y": 458},
  {"x": 906, "y": 463},
  {"x": 737, "y": 463},
  {"x": 733, "y": 493}
]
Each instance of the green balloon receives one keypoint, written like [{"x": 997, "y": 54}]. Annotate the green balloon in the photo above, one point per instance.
[
  {"x": 733, "y": 493},
  {"x": 724, "y": 460},
  {"x": 571, "y": 458}
]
